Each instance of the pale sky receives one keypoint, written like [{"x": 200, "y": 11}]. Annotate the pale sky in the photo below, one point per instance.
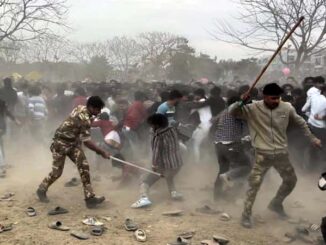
[{"x": 101, "y": 19}]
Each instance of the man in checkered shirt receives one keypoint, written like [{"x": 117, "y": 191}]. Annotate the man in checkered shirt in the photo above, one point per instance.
[{"x": 232, "y": 159}]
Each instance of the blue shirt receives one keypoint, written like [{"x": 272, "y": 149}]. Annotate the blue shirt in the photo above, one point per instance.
[{"x": 167, "y": 111}]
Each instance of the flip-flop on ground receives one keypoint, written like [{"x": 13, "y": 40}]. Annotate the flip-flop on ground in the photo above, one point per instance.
[{"x": 57, "y": 225}]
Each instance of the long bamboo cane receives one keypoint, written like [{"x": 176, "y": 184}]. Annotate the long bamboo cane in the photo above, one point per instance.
[
  {"x": 136, "y": 166},
  {"x": 274, "y": 55}
]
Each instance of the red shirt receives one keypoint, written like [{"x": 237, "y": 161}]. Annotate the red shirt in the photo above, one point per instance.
[
  {"x": 136, "y": 114},
  {"x": 105, "y": 126}
]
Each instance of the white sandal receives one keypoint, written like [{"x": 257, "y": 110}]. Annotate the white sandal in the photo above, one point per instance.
[{"x": 140, "y": 236}]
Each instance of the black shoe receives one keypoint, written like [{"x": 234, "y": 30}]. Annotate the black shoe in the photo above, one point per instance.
[
  {"x": 42, "y": 195},
  {"x": 246, "y": 222},
  {"x": 94, "y": 201},
  {"x": 278, "y": 209}
]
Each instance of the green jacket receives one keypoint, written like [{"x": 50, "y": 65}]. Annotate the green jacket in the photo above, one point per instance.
[{"x": 268, "y": 128}]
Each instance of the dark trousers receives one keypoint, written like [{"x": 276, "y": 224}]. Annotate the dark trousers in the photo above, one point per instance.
[
  {"x": 232, "y": 161},
  {"x": 317, "y": 156},
  {"x": 323, "y": 228}
]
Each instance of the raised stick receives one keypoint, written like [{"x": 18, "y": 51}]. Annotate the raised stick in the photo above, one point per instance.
[{"x": 274, "y": 55}]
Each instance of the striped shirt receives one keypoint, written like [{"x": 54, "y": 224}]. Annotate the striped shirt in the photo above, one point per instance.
[
  {"x": 165, "y": 148},
  {"x": 37, "y": 108}
]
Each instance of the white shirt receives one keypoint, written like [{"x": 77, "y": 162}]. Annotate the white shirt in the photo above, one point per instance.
[
  {"x": 113, "y": 135},
  {"x": 205, "y": 114},
  {"x": 318, "y": 107},
  {"x": 310, "y": 93}
]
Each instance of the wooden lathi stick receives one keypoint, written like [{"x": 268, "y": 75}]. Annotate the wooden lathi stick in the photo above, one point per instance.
[{"x": 274, "y": 55}]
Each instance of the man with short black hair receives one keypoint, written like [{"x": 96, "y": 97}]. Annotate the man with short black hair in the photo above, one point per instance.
[
  {"x": 4, "y": 113},
  {"x": 67, "y": 141},
  {"x": 268, "y": 121},
  {"x": 318, "y": 127},
  {"x": 234, "y": 164},
  {"x": 166, "y": 159},
  {"x": 168, "y": 108},
  {"x": 8, "y": 94},
  {"x": 318, "y": 82}
]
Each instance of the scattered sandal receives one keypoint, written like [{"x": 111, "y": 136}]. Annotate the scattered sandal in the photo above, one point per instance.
[
  {"x": 79, "y": 234},
  {"x": 92, "y": 221},
  {"x": 180, "y": 241},
  {"x": 173, "y": 213},
  {"x": 207, "y": 210},
  {"x": 4, "y": 228},
  {"x": 58, "y": 210},
  {"x": 221, "y": 240},
  {"x": 106, "y": 218},
  {"x": 225, "y": 217},
  {"x": 187, "y": 234},
  {"x": 130, "y": 225},
  {"x": 31, "y": 212},
  {"x": 7, "y": 197},
  {"x": 58, "y": 226},
  {"x": 140, "y": 236},
  {"x": 97, "y": 230},
  {"x": 209, "y": 242}
]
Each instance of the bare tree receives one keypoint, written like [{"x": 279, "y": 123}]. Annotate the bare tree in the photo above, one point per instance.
[
  {"x": 125, "y": 54},
  {"x": 22, "y": 20},
  {"x": 84, "y": 52},
  {"x": 45, "y": 49},
  {"x": 266, "y": 22},
  {"x": 10, "y": 51},
  {"x": 157, "y": 50}
]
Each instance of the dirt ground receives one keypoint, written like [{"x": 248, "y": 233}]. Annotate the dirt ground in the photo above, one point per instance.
[{"x": 32, "y": 163}]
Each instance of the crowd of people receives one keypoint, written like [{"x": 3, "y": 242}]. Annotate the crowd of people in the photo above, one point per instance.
[{"x": 251, "y": 131}]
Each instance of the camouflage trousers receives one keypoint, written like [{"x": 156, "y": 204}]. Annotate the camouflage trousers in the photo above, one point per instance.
[
  {"x": 59, "y": 152},
  {"x": 263, "y": 163}
]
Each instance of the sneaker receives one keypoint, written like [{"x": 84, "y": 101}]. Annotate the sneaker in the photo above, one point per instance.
[
  {"x": 177, "y": 196},
  {"x": 42, "y": 195},
  {"x": 141, "y": 203},
  {"x": 278, "y": 208},
  {"x": 246, "y": 222},
  {"x": 94, "y": 201}
]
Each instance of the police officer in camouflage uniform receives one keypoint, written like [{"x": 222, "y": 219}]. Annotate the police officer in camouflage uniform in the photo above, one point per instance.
[
  {"x": 268, "y": 121},
  {"x": 67, "y": 142}
]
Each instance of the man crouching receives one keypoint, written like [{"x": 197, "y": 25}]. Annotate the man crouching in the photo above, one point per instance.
[{"x": 67, "y": 141}]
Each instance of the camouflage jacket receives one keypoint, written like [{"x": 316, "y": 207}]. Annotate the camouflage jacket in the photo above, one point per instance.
[{"x": 76, "y": 127}]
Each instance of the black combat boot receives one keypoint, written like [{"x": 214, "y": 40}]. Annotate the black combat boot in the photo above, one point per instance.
[
  {"x": 246, "y": 222},
  {"x": 42, "y": 195},
  {"x": 92, "y": 202},
  {"x": 278, "y": 208}
]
